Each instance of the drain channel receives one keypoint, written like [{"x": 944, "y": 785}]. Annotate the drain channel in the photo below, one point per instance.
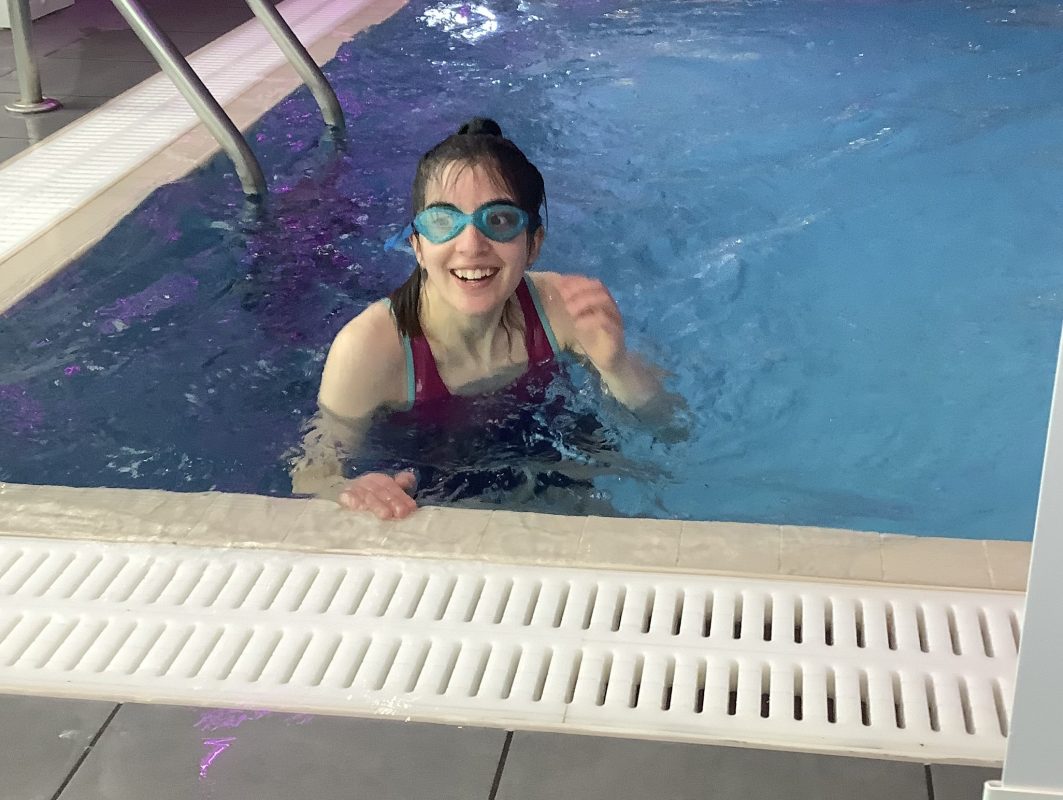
[{"x": 909, "y": 673}]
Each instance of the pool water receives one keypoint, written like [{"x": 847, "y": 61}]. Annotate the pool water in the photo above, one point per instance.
[{"x": 834, "y": 223}]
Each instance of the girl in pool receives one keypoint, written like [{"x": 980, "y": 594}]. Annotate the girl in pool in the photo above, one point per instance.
[{"x": 471, "y": 320}]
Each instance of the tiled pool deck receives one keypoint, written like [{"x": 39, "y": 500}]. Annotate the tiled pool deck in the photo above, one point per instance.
[{"x": 61, "y": 748}]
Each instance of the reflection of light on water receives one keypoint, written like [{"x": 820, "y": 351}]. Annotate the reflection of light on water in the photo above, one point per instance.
[{"x": 472, "y": 22}]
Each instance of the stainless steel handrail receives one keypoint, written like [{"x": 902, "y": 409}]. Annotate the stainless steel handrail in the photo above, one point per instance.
[
  {"x": 196, "y": 93},
  {"x": 30, "y": 101},
  {"x": 301, "y": 60}
]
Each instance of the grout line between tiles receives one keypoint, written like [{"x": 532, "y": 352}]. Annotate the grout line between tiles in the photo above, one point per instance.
[
  {"x": 85, "y": 752},
  {"x": 501, "y": 766}
]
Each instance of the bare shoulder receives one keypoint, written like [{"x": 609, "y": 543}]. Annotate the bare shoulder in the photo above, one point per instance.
[{"x": 366, "y": 366}]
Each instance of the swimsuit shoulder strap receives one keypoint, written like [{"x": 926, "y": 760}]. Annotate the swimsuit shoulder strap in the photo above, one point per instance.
[
  {"x": 538, "y": 335},
  {"x": 422, "y": 376}
]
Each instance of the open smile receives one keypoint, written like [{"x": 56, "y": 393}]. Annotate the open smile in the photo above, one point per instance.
[{"x": 475, "y": 275}]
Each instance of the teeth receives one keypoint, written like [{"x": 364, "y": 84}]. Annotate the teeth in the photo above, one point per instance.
[{"x": 473, "y": 274}]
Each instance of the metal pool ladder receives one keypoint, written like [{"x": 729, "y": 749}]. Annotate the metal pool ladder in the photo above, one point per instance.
[{"x": 207, "y": 107}]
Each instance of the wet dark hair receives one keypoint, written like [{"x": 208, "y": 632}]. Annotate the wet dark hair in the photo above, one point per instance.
[{"x": 480, "y": 143}]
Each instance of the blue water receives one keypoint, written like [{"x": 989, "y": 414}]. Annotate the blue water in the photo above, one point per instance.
[{"x": 835, "y": 223}]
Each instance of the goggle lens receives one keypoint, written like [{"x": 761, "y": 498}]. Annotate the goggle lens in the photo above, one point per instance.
[{"x": 499, "y": 222}]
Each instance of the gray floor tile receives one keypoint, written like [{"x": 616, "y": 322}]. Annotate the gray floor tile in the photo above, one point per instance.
[
  {"x": 9, "y": 147},
  {"x": 123, "y": 45},
  {"x": 35, "y": 127},
  {"x": 170, "y": 753},
  {"x": 961, "y": 783},
  {"x": 42, "y": 740},
  {"x": 65, "y": 77},
  {"x": 543, "y": 766}
]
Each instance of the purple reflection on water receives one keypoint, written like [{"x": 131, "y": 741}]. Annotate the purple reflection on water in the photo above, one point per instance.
[
  {"x": 167, "y": 292},
  {"x": 18, "y": 409}
]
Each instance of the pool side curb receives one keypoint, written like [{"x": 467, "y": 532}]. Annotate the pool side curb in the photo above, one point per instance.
[{"x": 215, "y": 519}]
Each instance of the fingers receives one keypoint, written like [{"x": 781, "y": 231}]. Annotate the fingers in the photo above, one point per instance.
[
  {"x": 407, "y": 480},
  {"x": 381, "y": 495}
]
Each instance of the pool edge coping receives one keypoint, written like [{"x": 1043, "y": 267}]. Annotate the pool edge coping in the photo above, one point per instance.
[{"x": 216, "y": 519}]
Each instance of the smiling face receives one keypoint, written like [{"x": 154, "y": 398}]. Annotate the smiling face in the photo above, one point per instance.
[{"x": 471, "y": 273}]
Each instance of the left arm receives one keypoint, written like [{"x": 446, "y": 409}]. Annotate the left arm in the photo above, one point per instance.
[{"x": 587, "y": 321}]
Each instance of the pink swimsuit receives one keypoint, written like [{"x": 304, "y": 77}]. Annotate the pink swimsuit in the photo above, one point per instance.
[{"x": 426, "y": 388}]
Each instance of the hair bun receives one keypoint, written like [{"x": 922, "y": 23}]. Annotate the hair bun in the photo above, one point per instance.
[{"x": 480, "y": 125}]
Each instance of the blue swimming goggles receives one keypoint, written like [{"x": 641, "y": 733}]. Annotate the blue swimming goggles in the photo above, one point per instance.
[{"x": 499, "y": 222}]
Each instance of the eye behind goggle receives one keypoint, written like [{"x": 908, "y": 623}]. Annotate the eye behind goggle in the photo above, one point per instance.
[{"x": 500, "y": 222}]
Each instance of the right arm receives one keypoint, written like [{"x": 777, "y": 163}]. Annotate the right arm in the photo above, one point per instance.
[{"x": 364, "y": 372}]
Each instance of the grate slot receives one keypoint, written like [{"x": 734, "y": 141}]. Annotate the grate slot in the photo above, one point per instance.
[
  {"x": 135, "y": 649},
  {"x": 167, "y": 648},
  {"x": 576, "y": 663},
  {"x": 1016, "y": 635},
  {"x": 253, "y": 657},
  {"x": 618, "y": 609},
  {"x": 20, "y": 638},
  {"x": 346, "y": 661},
  {"x": 23, "y": 568},
  {"x": 765, "y": 691},
  {"x": 407, "y": 597},
  {"x": 206, "y": 587},
  {"x": 67, "y": 656},
  {"x": 706, "y": 628},
  {"x": 865, "y": 699},
  {"x": 319, "y": 656},
  {"x": 75, "y": 574},
  {"x": 831, "y": 697},
  {"x": 378, "y": 597},
  {"x": 858, "y": 624},
  {"x": 677, "y": 613},
  {"x": 234, "y": 590},
  {"x": 768, "y": 610},
  {"x": 891, "y": 627},
  {"x": 799, "y": 613},
  {"x": 417, "y": 667},
  {"x": 798, "y": 699},
  {"x": 116, "y": 579},
  {"x": 375, "y": 667},
  {"x": 351, "y": 593},
  {"x": 296, "y": 588},
  {"x": 531, "y": 603},
  {"x": 932, "y": 705},
  {"x": 739, "y": 611},
  {"x": 898, "y": 701},
  {"x": 465, "y": 599},
  {"x": 965, "y": 705},
  {"x": 438, "y": 594},
  {"x": 285, "y": 659},
  {"x": 224, "y": 653},
  {"x": 149, "y": 590},
  {"x": 500, "y": 671},
  {"x": 323, "y": 591},
  {"x": 828, "y": 622},
  {"x": 45, "y": 574},
  {"x": 1001, "y": 708},
  {"x": 561, "y": 605}
]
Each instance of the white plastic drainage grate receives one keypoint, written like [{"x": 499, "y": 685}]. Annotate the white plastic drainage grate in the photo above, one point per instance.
[{"x": 909, "y": 673}]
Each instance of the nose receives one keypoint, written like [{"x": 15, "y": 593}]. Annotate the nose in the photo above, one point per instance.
[{"x": 471, "y": 239}]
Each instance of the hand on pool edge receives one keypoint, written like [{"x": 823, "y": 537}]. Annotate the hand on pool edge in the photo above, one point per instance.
[{"x": 384, "y": 496}]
